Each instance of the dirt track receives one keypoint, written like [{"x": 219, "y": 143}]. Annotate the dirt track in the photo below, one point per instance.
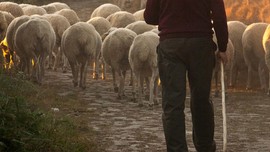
[{"x": 122, "y": 126}]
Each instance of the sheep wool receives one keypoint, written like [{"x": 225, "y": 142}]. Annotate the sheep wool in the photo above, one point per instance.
[
  {"x": 50, "y": 9},
  {"x": 3, "y": 26},
  {"x": 140, "y": 27},
  {"x": 9, "y": 17},
  {"x": 236, "y": 30},
  {"x": 71, "y": 15},
  {"x": 59, "y": 24},
  {"x": 266, "y": 46},
  {"x": 121, "y": 19},
  {"x": 115, "y": 50},
  {"x": 101, "y": 24},
  {"x": 11, "y": 30},
  {"x": 35, "y": 39},
  {"x": 81, "y": 43},
  {"x": 139, "y": 15},
  {"x": 105, "y": 10},
  {"x": 143, "y": 62},
  {"x": 32, "y": 10},
  {"x": 59, "y": 5},
  {"x": 12, "y": 8},
  {"x": 253, "y": 52}
]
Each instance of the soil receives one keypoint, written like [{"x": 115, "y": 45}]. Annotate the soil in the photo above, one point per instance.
[{"x": 123, "y": 126}]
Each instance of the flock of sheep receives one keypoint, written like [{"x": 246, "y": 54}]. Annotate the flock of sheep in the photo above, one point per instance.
[
  {"x": 45, "y": 36},
  {"x": 39, "y": 36}
]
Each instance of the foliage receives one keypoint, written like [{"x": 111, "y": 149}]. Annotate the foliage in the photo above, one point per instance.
[{"x": 24, "y": 127}]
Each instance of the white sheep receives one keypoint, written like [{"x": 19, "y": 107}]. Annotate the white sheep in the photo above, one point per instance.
[
  {"x": 121, "y": 19},
  {"x": 3, "y": 29},
  {"x": 236, "y": 30},
  {"x": 105, "y": 10},
  {"x": 101, "y": 24},
  {"x": 59, "y": 24},
  {"x": 155, "y": 30},
  {"x": 59, "y": 5},
  {"x": 50, "y": 9},
  {"x": 139, "y": 15},
  {"x": 227, "y": 67},
  {"x": 12, "y": 8},
  {"x": 140, "y": 27},
  {"x": 22, "y": 5},
  {"x": 115, "y": 50},
  {"x": 35, "y": 39},
  {"x": 33, "y": 9},
  {"x": 70, "y": 14},
  {"x": 11, "y": 30},
  {"x": 254, "y": 54},
  {"x": 80, "y": 43},
  {"x": 3, "y": 26},
  {"x": 266, "y": 46},
  {"x": 9, "y": 17},
  {"x": 143, "y": 62},
  {"x": 130, "y": 5}
]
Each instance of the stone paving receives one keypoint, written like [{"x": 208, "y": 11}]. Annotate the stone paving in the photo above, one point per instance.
[{"x": 123, "y": 126}]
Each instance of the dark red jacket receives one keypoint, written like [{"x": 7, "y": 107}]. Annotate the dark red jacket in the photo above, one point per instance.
[{"x": 189, "y": 18}]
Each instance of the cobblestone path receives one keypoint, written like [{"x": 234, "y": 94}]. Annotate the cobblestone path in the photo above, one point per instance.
[{"x": 122, "y": 126}]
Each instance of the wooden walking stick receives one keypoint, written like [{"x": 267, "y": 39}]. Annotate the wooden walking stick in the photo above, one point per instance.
[{"x": 223, "y": 108}]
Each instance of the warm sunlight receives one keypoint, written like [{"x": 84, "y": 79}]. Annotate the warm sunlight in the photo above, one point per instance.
[{"x": 8, "y": 63}]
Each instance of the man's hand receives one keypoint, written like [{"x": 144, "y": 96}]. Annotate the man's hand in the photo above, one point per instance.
[{"x": 222, "y": 56}]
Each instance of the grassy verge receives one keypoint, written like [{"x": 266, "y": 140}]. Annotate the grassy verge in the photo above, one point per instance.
[{"x": 28, "y": 124}]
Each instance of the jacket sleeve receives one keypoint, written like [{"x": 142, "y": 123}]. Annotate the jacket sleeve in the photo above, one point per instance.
[
  {"x": 151, "y": 13},
  {"x": 220, "y": 24}
]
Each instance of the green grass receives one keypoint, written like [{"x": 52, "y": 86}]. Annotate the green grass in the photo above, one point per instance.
[{"x": 28, "y": 124}]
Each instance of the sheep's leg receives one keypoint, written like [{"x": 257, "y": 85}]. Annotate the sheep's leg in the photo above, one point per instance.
[
  {"x": 81, "y": 68},
  {"x": 122, "y": 75},
  {"x": 115, "y": 87},
  {"x": 41, "y": 67},
  {"x": 96, "y": 70},
  {"x": 133, "y": 88},
  {"x": 250, "y": 71},
  {"x": 151, "y": 90},
  {"x": 57, "y": 58},
  {"x": 233, "y": 75},
  {"x": 40, "y": 70},
  {"x": 131, "y": 78},
  {"x": 83, "y": 75},
  {"x": 262, "y": 75},
  {"x": 50, "y": 60},
  {"x": 156, "y": 90},
  {"x": 35, "y": 71},
  {"x": 74, "y": 70},
  {"x": 147, "y": 90},
  {"x": 26, "y": 66},
  {"x": 65, "y": 60},
  {"x": 103, "y": 67},
  {"x": 153, "y": 86},
  {"x": 140, "y": 89}
]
